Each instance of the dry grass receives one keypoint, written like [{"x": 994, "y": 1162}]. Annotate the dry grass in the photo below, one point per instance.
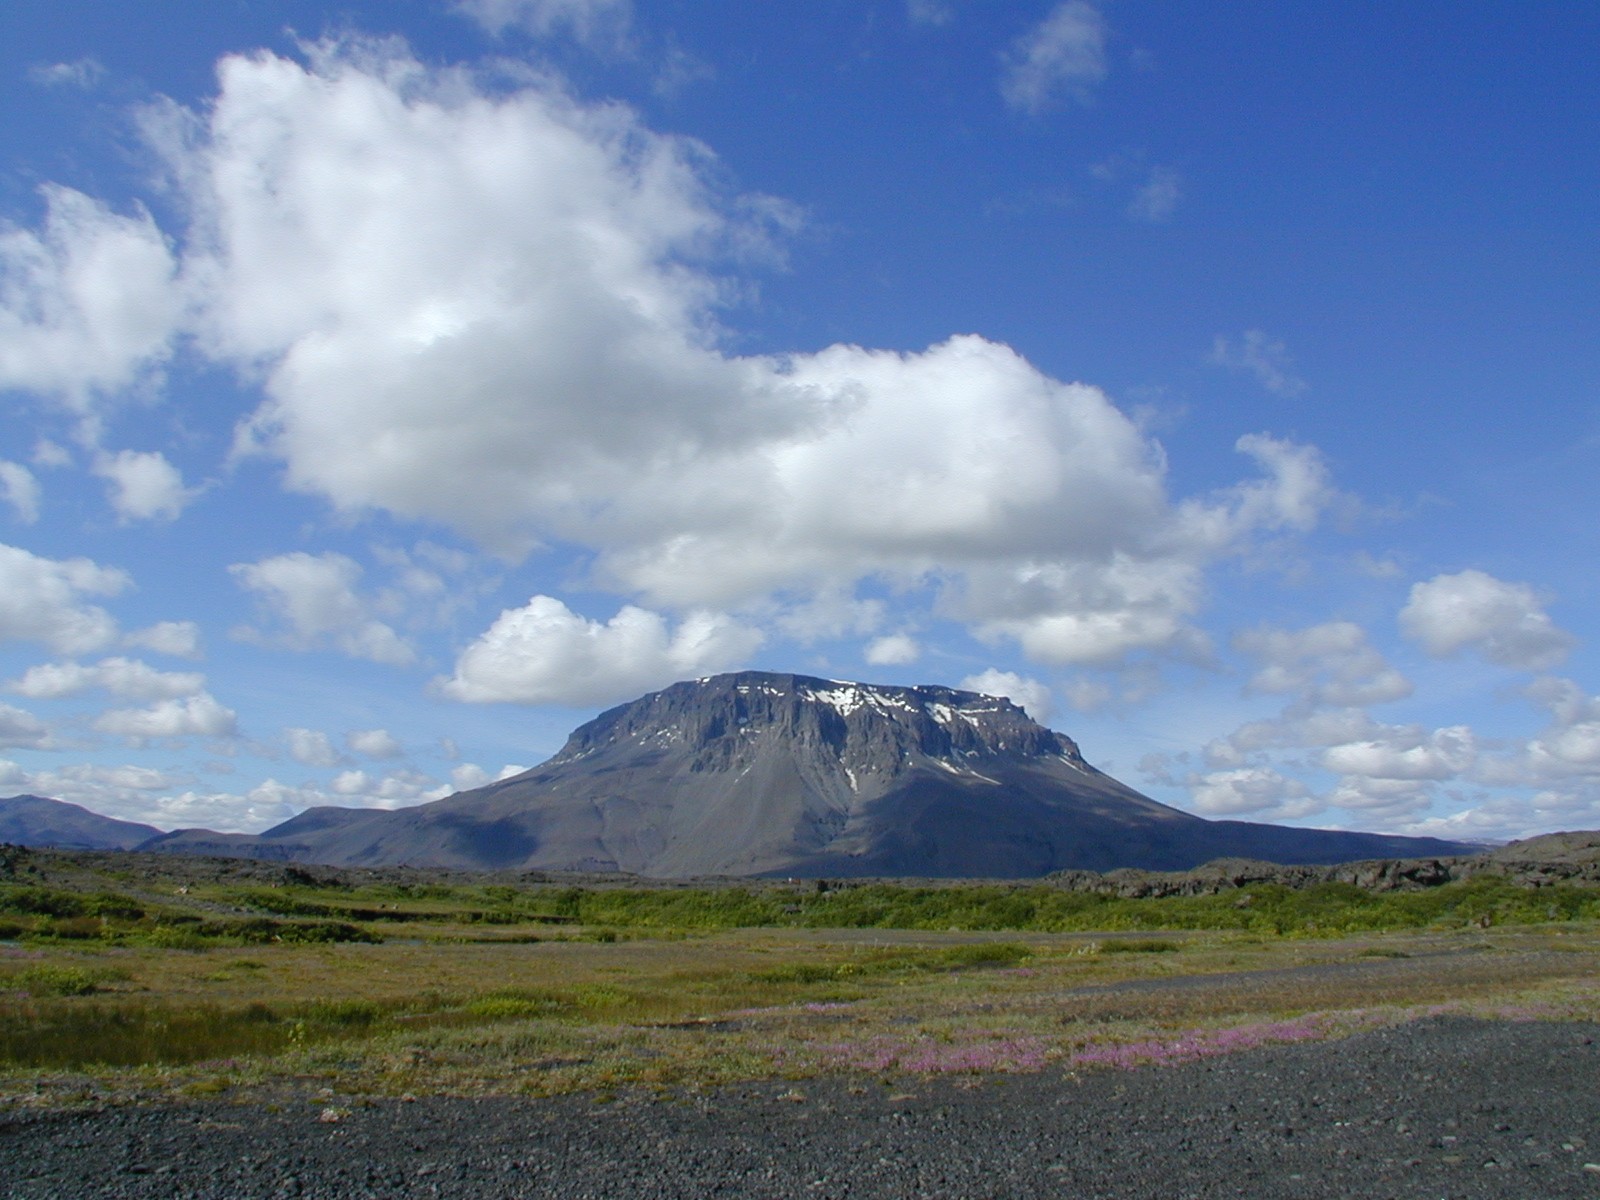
[{"x": 517, "y": 1015}]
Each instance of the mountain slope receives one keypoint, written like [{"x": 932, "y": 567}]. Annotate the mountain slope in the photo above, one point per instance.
[
  {"x": 37, "y": 821},
  {"x": 768, "y": 774}
]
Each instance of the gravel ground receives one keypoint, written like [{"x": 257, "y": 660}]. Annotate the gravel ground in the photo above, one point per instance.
[{"x": 1442, "y": 1108}]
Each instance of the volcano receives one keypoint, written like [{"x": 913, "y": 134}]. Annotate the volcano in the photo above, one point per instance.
[{"x": 763, "y": 774}]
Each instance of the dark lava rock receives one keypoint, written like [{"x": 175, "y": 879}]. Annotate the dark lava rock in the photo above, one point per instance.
[{"x": 1442, "y": 1108}]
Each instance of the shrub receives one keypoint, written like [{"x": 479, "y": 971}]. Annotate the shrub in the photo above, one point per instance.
[
  {"x": 346, "y": 1014},
  {"x": 38, "y": 901},
  {"x": 45, "y": 980},
  {"x": 114, "y": 907},
  {"x": 801, "y": 973},
  {"x": 174, "y": 937},
  {"x": 285, "y": 904},
  {"x": 985, "y": 954},
  {"x": 262, "y": 930},
  {"x": 74, "y": 928},
  {"x": 600, "y": 995},
  {"x": 1138, "y": 946},
  {"x": 506, "y": 1006}
]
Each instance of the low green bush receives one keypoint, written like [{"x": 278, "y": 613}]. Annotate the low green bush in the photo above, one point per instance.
[
  {"x": 40, "y": 901},
  {"x": 1323, "y": 909},
  {"x": 174, "y": 937},
  {"x": 113, "y": 907},
  {"x": 933, "y": 958},
  {"x": 49, "y": 980},
  {"x": 506, "y": 1006},
  {"x": 71, "y": 1037},
  {"x": 1138, "y": 946},
  {"x": 73, "y": 928},
  {"x": 285, "y": 903},
  {"x": 347, "y": 1014},
  {"x": 262, "y": 930}
]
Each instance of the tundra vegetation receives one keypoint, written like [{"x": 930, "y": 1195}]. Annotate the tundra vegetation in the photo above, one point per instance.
[{"x": 128, "y": 977}]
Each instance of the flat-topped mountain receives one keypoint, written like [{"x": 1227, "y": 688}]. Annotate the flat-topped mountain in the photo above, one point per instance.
[{"x": 757, "y": 773}]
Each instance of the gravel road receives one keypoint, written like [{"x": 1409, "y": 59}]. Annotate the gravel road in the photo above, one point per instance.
[{"x": 1443, "y": 1108}]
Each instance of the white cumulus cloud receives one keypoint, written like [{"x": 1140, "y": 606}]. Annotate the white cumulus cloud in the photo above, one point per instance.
[
  {"x": 1507, "y": 817},
  {"x": 544, "y": 653},
  {"x": 1157, "y": 199},
  {"x": 1029, "y": 694},
  {"x": 83, "y": 72},
  {"x": 143, "y": 486},
  {"x": 1267, "y": 358},
  {"x": 930, "y": 12},
  {"x": 1406, "y": 753},
  {"x": 87, "y": 304},
  {"x": 1382, "y": 799},
  {"x": 1330, "y": 674},
  {"x": 180, "y": 639},
  {"x": 374, "y": 743},
  {"x": 1063, "y": 54},
  {"x": 1255, "y": 791},
  {"x": 603, "y": 24},
  {"x": 42, "y": 600},
  {"x": 314, "y": 597},
  {"x": 467, "y": 776},
  {"x": 497, "y": 309},
  {"x": 125, "y": 677},
  {"x": 1328, "y": 664},
  {"x": 20, "y": 490},
  {"x": 893, "y": 650},
  {"x": 1505, "y": 622},
  {"x": 311, "y": 747},
  {"x": 393, "y": 789},
  {"x": 20, "y": 729},
  {"x": 193, "y": 716}
]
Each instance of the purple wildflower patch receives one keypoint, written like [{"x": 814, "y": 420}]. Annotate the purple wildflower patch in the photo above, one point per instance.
[
  {"x": 932, "y": 1056},
  {"x": 1198, "y": 1044}
]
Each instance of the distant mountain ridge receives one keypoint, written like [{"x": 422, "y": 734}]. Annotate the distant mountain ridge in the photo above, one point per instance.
[
  {"x": 40, "y": 821},
  {"x": 760, "y": 773}
]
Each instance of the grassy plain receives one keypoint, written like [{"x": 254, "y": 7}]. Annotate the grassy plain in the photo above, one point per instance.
[{"x": 120, "y": 984}]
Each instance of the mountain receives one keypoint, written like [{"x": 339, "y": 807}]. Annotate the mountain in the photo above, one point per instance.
[
  {"x": 769, "y": 774},
  {"x": 37, "y": 821}
]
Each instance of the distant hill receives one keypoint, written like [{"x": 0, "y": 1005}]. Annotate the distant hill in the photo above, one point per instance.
[
  {"x": 770, "y": 774},
  {"x": 37, "y": 821}
]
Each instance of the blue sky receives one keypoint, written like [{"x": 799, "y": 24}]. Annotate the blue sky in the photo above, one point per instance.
[{"x": 389, "y": 388}]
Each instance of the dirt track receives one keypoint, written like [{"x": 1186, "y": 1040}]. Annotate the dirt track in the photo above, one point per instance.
[{"x": 1442, "y": 1108}]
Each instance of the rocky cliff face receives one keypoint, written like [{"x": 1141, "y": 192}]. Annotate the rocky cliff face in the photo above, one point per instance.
[
  {"x": 773, "y": 774},
  {"x": 861, "y": 730}
]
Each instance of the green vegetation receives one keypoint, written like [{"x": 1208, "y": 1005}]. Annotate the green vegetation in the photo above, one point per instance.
[
  {"x": 309, "y": 912},
  {"x": 145, "y": 1034},
  {"x": 1139, "y": 946},
  {"x": 49, "y": 980},
  {"x": 1325, "y": 909},
  {"x": 140, "y": 1032},
  {"x": 942, "y": 958},
  {"x": 42, "y": 915},
  {"x": 123, "y": 984}
]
